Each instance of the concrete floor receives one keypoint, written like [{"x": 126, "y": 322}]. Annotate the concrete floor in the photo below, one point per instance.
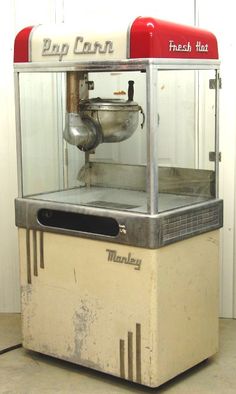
[
  {"x": 25, "y": 372},
  {"x": 10, "y": 334}
]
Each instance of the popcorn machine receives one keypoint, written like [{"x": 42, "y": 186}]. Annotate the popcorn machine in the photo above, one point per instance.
[{"x": 118, "y": 211}]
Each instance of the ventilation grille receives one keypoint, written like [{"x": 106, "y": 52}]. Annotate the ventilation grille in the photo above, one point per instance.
[{"x": 181, "y": 226}]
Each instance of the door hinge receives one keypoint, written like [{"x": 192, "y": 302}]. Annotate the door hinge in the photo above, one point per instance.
[
  {"x": 212, "y": 156},
  {"x": 212, "y": 83}
]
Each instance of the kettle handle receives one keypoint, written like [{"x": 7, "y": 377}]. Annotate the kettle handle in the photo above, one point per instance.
[
  {"x": 143, "y": 122},
  {"x": 131, "y": 91}
]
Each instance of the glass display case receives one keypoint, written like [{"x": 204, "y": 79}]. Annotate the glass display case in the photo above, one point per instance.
[
  {"x": 185, "y": 138},
  {"x": 152, "y": 153},
  {"x": 118, "y": 160}
]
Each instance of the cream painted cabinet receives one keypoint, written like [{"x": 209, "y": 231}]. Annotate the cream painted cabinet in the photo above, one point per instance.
[{"x": 143, "y": 315}]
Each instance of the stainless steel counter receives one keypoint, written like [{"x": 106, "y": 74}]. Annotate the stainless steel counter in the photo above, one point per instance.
[{"x": 135, "y": 201}]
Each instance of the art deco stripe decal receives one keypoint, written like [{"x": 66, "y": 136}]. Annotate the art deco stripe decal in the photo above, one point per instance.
[
  {"x": 36, "y": 235},
  {"x": 28, "y": 256},
  {"x": 35, "y": 252},
  {"x": 122, "y": 358},
  {"x": 138, "y": 353},
  {"x": 130, "y": 356},
  {"x": 41, "y": 249}
]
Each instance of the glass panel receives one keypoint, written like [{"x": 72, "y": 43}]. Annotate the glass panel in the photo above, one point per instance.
[
  {"x": 41, "y": 132},
  {"x": 186, "y": 129},
  {"x": 109, "y": 169}
]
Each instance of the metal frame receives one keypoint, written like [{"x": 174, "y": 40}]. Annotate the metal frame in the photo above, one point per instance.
[
  {"x": 152, "y": 142},
  {"x": 125, "y": 65},
  {"x": 217, "y": 133},
  {"x": 18, "y": 135}
]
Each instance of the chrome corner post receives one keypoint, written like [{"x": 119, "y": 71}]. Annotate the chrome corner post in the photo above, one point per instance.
[
  {"x": 18, "y": 133},
  {"x": 217, "y": 76},
  {"x": 152, "y": 140}
]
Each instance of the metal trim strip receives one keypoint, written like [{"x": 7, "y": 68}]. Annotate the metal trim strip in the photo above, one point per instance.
[
  {"x": 128, "y": 38},
  {"x": 126, "y": 65},
  {"x": 30, "y": 42},
  {"x": 142, "y": 230}
]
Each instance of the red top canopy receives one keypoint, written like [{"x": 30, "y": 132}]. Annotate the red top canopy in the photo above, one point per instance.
[
  {"x": 148, "y": 38},
  {"x": 154, "y": 38}
]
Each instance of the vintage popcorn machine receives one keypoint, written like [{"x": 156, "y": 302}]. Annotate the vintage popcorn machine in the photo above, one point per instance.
[{"x": 118, "y": 210}]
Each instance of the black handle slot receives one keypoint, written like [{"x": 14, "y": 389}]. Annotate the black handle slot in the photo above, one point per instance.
[{"x": 78, "y": 222}]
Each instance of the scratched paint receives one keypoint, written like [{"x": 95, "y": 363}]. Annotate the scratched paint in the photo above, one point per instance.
[{"x": 83, "y": 318}]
